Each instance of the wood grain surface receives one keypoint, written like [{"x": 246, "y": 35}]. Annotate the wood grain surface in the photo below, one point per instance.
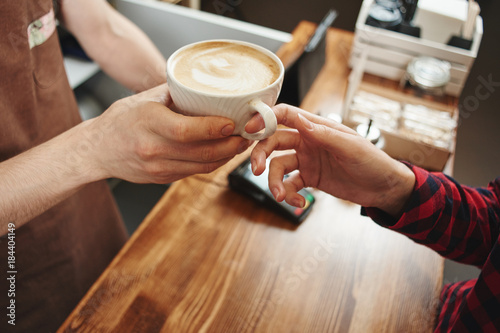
[{"x": 207, "y": 259}]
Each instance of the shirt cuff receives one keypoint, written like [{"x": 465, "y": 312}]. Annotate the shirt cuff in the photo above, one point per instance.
[{"x": 388, "y": 221}]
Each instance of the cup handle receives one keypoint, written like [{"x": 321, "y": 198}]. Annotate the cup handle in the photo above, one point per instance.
[{"x": 269, "y": 121}]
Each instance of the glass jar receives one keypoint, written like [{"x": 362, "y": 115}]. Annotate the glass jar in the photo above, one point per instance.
[{"x": 429, "y": 74}]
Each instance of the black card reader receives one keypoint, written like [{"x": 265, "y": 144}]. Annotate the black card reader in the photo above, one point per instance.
[{"x": 244, "y": 181}]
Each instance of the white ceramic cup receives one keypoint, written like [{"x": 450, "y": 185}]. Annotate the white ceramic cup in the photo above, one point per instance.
[{"x": 240, "y": 108}]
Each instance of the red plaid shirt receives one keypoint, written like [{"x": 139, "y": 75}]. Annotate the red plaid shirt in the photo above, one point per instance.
[{"x": 460, "y": 223}]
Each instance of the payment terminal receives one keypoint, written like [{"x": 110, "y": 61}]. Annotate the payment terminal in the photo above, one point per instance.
[{"x": 244, "y": 181}]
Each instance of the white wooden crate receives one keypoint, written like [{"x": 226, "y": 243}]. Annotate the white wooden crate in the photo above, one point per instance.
[
  {"x": 390, "y": 52},
  {"x": 397, "y": 144}
]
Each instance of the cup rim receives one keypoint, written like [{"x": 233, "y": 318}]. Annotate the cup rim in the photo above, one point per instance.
[{"x": 252, "y": 45}]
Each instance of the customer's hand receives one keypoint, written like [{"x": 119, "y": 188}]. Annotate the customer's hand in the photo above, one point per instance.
[
  {"x": 142, "y": 140},
  {"x": 332, "y": 158}
]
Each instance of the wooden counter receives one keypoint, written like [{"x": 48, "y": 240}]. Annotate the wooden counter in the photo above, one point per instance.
[{"x": 207, "y": 259}]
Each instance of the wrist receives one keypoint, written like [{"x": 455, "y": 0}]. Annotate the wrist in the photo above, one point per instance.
[
  {"x": 401, "y": 186},
  {"x": 82, "y": 158}
]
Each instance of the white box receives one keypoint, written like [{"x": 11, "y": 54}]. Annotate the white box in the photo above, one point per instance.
[
  {"x": 439, "y": 20},
  {"x": 390, "y": 52}
]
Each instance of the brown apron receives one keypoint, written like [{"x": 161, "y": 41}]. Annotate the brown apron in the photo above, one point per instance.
[{"x": 62, "y": 252}]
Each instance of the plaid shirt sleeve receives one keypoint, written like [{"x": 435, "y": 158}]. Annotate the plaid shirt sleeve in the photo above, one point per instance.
[{"x": 460, "y": 223}]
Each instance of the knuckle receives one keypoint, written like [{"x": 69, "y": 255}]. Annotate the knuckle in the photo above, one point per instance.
[
  {"x": 280, "y": 109},
  {"x": 267, "y": 146},
  {"x": 139, "y": 151},
  {"x": 207, "y": 154},
  {"x": 181, "y": 132},
  {"x": 212, "y": 130},
  {"x": 273, "y": 163},
  {"x": 146, "y": 151},
  {"x": 156, "y": 170}
]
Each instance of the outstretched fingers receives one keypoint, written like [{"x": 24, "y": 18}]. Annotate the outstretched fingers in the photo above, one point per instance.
[
  {"x": 293, "y": 184},
  {"x": 279, "y": 167},
  {"x": 288, "y": 115},
  {"x": 281, "y": 140}
]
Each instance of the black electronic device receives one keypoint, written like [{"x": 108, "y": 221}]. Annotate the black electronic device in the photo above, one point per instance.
[
  {"x": 244, "y": 181},
  {"x": 408, "y": 9}
]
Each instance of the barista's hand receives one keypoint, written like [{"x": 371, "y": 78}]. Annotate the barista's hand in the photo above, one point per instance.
[
  {"x": 332, "y": 158},
  {"x": 141, "y": 140}
]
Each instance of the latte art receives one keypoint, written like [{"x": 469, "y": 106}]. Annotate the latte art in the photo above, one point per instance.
[
  {"x": 226, "y": 78},
  {"x": 225, "y": 68}
]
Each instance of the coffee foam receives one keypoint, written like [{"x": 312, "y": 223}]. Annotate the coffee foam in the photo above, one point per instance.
[{"x": 225, "y": 68}]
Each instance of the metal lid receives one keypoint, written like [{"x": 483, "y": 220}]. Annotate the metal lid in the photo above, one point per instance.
[
  {"x": 385, "y": 15},
  {"x": 393, "y": 4},
  {"x": 429, "y": 73}
]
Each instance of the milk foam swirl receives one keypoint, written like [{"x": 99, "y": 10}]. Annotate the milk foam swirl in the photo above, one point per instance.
[{"x": 224, "y": 68}]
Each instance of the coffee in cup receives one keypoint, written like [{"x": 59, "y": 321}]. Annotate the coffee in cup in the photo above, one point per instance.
[{"x": 226, "y": 78}]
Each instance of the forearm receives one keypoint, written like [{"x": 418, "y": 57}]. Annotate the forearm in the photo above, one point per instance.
[
  {"x": 41, "y": 177},
  {"x": 137, "y": 139},
  {"x": 128, "y": 55},
  {"x": 120, "y": 48}
]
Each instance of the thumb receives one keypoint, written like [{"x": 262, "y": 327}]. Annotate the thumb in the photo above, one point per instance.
[{"x": 324, "y": 136}]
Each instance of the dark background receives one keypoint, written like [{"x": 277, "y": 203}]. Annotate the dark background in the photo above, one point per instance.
[
  {"x": 477, "y": 152},
  {"x": 285, "y": 14}
]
